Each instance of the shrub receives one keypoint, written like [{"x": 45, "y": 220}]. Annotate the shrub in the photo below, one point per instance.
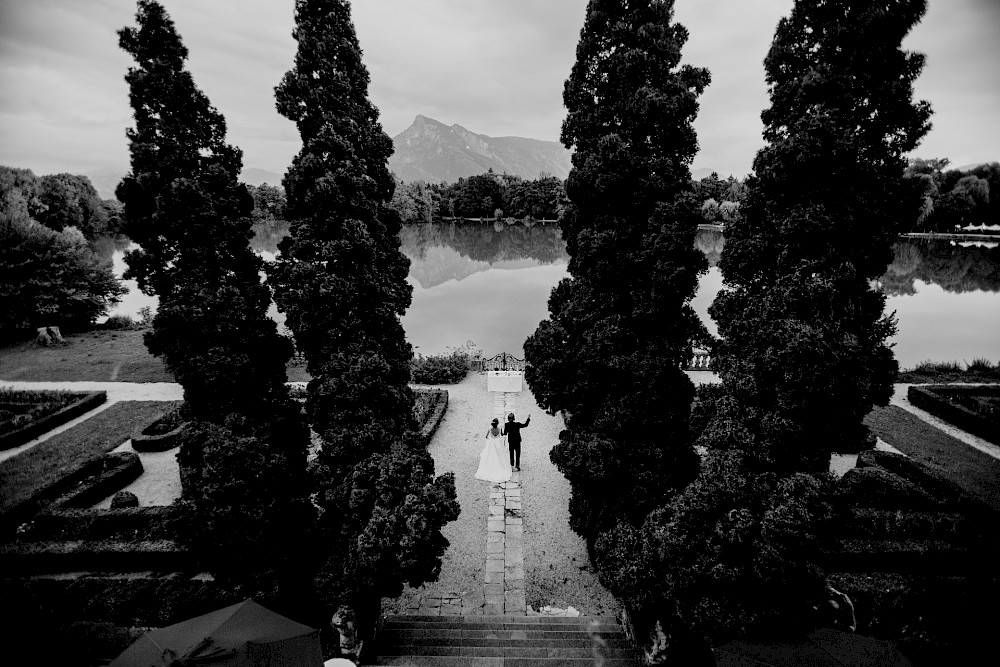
[
  {"x": 733, "y": 551},
  {"x": 120, "y": 323},
  {"x": 439, "y": 368}
]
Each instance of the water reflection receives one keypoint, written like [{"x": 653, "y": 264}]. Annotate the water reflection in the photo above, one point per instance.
[{"x": 491, "y": 284}]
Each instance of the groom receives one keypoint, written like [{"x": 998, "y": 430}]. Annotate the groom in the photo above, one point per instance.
[{"x": 512, "y": 430}]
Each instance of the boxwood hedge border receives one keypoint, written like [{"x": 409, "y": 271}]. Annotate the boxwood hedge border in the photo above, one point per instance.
[
  {"x": 158, "y": 443},
  {"x": 926, "y": 397},
  {"x": 85, "y": 486},
  {"x": 87, "y": 402},
  {"x": 439, "y": 401}
]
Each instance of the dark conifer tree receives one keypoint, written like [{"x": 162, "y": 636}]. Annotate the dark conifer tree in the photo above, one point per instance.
[
  {"x": 621, "y": 325},
  {"x": 804, "y": 354},
  {"x": 341, "y": 281},
  {"x": 244, "y": 456}
]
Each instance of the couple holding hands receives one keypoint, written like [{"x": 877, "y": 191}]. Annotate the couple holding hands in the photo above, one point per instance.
[{"x": 493, "y": 465}]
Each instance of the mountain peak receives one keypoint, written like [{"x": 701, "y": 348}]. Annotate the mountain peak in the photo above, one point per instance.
[{"x": 425, "y": 152}]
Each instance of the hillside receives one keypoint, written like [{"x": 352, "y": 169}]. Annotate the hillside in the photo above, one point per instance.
[{"x": 431, "y": 151}]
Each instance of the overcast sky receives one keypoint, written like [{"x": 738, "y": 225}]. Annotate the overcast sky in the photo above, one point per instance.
[{"x": 496, "y": 67}]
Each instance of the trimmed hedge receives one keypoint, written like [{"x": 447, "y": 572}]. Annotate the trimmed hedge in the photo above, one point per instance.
[
  {"x": 933, "y": 399},
  {"x": 439, "y": 368},
  {"x": 875, "y": 523},
  {"x": 136, "y": 599},
  {"x": 878, "y": 487},
  {"x": 37, "y": 427},
  {"x": 947, "y": 493},
  {"x": 133, "y": 523},
  {"x": 85, "y": 486},
  {"x": 433, "y": 413},
  {"x": 907, "y": 556},
  {"x": 28, "y": 558},
  {"x": 937, "y": 620},
  {"x": 149, "y": 440}
]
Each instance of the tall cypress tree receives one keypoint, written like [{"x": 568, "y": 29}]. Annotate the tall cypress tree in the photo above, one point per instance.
[
  {"x": 186, "y": 209},
  {"x": 341, "y": 281},
  {"x": 804, "y": 354},
  {"x": 621, "y": 325}
]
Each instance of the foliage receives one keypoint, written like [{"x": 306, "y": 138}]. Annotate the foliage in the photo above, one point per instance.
[
  {"x": 183, "y": 204},
  {"x": 268, "y": 204},
  {"x": 481, "y": 196},
  {"x": 72, "y": 201},
  {"x": 804, "y": 355},
  {"x": 439, "y": 368},
  {"x": 341, "y": 281},
  {"x": 722, "y": 200},
  {"x": 732, "y": 552},
  {"x": 48, "y": 278},
  {"x": 620, "y": 327},
  {"x": 972, "y": 409},
  {"x": 944, "y": 199}
]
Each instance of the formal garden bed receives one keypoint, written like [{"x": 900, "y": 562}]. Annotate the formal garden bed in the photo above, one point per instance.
[
  {"x": 974, "y": 409},
  {"x": 976, "y": 472},
  {"x": 915, "y": 550},
  {"x": 37, "y": 473},
  {"x": 25, "y": 415}
]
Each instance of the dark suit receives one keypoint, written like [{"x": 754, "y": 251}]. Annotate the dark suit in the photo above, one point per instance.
[{"x": 512, "y": 430}]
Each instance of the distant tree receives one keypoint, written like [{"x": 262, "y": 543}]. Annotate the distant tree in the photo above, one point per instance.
[
  {"x": 341, "y": 281},
  {"x": 479, "y": 196},
  {"x": 48, "y": 278},
  {"x": 185, "y": 207},
  {"x": 72, "y": 201},
  {"x": 804, "y": 353},
  {"x": 268, "y": 204},
  {"x": 621, "y": 325}
]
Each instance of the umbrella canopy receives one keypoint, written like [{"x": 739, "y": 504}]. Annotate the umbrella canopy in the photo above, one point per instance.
[
  {"x": 824, "y": 647},
  {"x": 239, "y": 635}
]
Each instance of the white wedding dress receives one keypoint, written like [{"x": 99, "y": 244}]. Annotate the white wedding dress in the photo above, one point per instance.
[{"x": 494, "y": 460}]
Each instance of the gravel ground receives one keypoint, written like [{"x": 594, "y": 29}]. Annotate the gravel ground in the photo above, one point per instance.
[{"x": 555, "y": 559}]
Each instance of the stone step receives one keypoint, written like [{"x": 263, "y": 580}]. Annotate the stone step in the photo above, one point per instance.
[
  {"x": 503, "y": 641},
  {"x": 480, "y": 661},
  {"x": 575, "y": 653},
  {"x": 452, "y": 637}
]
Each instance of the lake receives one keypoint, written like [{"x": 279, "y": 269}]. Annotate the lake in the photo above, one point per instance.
[{"x": 490, "y": 283}]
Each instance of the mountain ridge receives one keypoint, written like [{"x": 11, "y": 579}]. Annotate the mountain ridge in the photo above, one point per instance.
[{"x": 431, "y": 151}]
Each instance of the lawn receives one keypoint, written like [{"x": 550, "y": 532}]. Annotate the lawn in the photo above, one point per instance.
[
  {"x": 971, "y": 469},
  {"x": 36, "y": 467},
  {"x": 99, "y": 355}
]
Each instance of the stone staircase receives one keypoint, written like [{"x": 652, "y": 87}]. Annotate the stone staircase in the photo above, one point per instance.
[{"x": 502, "y": 641}]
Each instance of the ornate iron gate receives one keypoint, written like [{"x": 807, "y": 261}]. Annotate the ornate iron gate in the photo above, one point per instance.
[{"x": 503, "y": 362}]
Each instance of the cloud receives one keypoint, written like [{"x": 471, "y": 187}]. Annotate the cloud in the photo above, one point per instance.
[{"x": 496, "y": 67}]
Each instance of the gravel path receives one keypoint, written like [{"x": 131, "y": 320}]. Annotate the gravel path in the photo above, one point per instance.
[{"x": 555, "y": 559}]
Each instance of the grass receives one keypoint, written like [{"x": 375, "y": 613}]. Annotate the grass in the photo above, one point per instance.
[
  {"x": 100, "y": 355},
  {"x": 980, "y": 370},
  {"x": 971, "y": 469},
  {"x": 37, "y": 467}
]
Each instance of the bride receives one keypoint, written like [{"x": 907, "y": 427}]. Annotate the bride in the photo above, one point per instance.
[{"x": 493, "y": 460}]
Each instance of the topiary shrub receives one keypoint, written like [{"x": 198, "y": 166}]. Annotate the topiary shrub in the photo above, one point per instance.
[
  {"x": 161, "y": 434},
  {"x": 123, "y": 500},
  {"x": 734, "y": 551}
]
